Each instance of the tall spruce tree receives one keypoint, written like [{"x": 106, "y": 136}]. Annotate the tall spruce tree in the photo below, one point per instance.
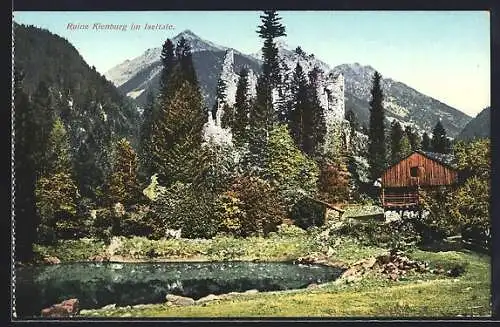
[
  {"x": 220, "y": 96},
  {"x": 168, "y": 61},
  {"x": 300, "y": 114},
  {"x": 242, "y": 107},
  {"x": 270, "y": 29},
  {"x": 122, "y": 184},
  {"x": 426, "y": 142},
  {"x": 148, "y": 117},
  {"x": 439, "y": 142},
  {"x": 315, "y": 127},
  {"x": 396, "y": 136},
  {"x": 185, "y": 58},
  {"x": 376, "y": 147},
  {"x": 56, "y": 191}
]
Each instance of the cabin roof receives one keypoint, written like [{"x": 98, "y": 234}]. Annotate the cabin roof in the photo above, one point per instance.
[{"x": 446, "y": 159}]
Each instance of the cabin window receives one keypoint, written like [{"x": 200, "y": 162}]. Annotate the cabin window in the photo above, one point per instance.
[{"x": 414, "y": 171}]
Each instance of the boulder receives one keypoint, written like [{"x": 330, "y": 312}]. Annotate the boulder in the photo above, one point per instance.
[
  {"x": 179, "y": 300},
  {"x": 312, "y": 286},
  {"x": 51, "y": 260},
  {"x": 99, "y": 258},
  {"x": 254, "y": 291},
  {"x": 208, "y": 298},
  {"x": 66, "y": 308}
]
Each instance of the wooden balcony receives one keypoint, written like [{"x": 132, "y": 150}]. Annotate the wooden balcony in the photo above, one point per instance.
[{"x": 400, "y": 201}]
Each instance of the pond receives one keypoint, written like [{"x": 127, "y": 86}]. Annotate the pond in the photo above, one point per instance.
[{"x": 99, "y": 284}]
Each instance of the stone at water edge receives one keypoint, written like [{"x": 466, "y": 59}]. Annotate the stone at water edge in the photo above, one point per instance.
[
  {"x": 51, "y": 260},
  {"x": 66, "y": 308},
  {"x": 179, "y": 300},
  {"x": 254, "y": 291},
  {"x": 208, "y": 298},
  {"x": 312, "y": 286}
]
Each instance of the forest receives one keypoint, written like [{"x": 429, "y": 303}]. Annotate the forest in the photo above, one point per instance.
[{"x": 89, "y": 165}]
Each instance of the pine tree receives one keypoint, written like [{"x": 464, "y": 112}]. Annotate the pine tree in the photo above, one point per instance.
[
  {"x": 242, "y": 107},
  {"x": 299, "y": 114},
  {"x": 177, "y": 133},
  {"x": 270, "y": 29},
  {"x": 123, "y": 185},
  {"x": 315, "y": 122},
  {"x": 426, "y": 142},
  {"x": 376, "y": 147},
  {"x": 413, "y": 138},
  {"x": 439, "y": 142},
  {"x": 220, "y": 96},
  {"x": 56, "y": 191},
  {"x": 168, "y": 61},
  {"x": 396, "y": 136},
  {"x": 405, "y": 147},
  {"x": 184, "y": 57}
]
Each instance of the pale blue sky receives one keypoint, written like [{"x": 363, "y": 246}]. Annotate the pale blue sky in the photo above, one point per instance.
[{"x": 443, "y": 54}]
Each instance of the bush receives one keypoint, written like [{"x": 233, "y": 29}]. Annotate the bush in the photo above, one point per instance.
[
  {"x": 307, "y": 213},
  {"x": 399, "y": 234},
  {"x": 250, "y": 207},
  {"x": 183, "y": 207},
  {"x": 286, "y": 230}
]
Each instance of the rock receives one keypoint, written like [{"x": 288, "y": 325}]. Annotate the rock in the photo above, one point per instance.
[
  {"x": 99, "y": 258},
  {"x": 109, "y": 307},
  {"x": 313, "y": 285},
  {"x": 51, "y": 260},
  {"x": 369, "y": 263},
  {"x": 351, "y": 279},
  {"x": 350, "y": 272},
  {"x": 254, "y": 291},
  {"x": 179, "y": 300},
  {"x": 208, "y": 298},
  {"x": 66, "y": 308}
]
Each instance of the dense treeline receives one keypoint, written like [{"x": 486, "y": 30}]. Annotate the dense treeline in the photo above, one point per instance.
[{"x": 85, "y": 170}]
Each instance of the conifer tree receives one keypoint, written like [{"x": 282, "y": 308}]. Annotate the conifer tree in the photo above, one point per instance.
[
  {"x": 426, "y": 142},
  {"x": 220, "y": 96},
  {"x": 148, "y": 117},
  {"x": 299, "y": 113},
  {"x": 176, "y": 133},
  {"x": 168, "y": 61},
  {"x": 413, "y": 138},
  {"x": 376, "y": 147},
  {"x": 242, "y": 107},
  {"x": 123, "y": 185},
  {"x": 396, "y": 136},
  {"x": 315, "y": 123},
  {"x": 405, "y": 147},
  {"x": 439, "y": 142},
  {"x": 270, "y": 29},
  {"x": 56, "y": 192},
  {"x": 184, "y": 57}
]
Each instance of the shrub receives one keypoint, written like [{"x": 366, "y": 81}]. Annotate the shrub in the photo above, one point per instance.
[
  {"x": 250, "y": 207},
  {"x": 307, "y": 213},
  {"x": 398, "y": 234},
  {"x": 183, "y": 207},
  {"x": 292, "y": 173}
]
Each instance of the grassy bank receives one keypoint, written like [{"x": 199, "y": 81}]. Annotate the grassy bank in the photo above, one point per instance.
[
  {"x": 418, "y": 295},
  {"x": 414, "y": 295}
]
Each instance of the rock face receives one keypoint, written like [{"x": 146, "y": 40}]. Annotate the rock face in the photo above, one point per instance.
[{"x": 67, "y": 308}]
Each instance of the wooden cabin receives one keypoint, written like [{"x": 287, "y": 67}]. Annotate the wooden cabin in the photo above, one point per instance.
[{"x": 400, "y": 183}]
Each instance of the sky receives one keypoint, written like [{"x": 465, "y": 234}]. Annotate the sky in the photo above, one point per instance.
[{"x": 443, "y": 54}]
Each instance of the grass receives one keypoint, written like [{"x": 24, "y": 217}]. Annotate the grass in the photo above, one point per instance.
[{"x": 424, "y": 295}]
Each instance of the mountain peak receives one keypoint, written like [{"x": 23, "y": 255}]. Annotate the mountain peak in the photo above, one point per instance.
[{"x": 187, "y": 33}]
